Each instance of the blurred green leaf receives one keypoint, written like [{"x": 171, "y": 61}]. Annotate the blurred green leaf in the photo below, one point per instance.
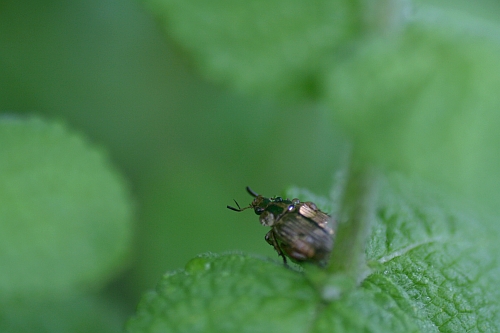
[
  {"x": 79, "y": 314},
  {"x": 65, "y": 218},
  {"x": 261, "y": 46},
  {"x": 428, "y": 269},
  {"x": 425, "y": 102},
  {"x": 415, "y": 89}
]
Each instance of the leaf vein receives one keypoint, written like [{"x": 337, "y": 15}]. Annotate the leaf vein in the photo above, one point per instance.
[{"x": 409, "y": 248}]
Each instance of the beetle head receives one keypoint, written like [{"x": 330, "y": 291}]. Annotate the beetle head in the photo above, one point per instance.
[{"x": 269, "y": 209}]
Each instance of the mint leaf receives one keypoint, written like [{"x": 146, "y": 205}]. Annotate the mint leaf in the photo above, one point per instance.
[
  {"x": 65, "y": 217},
  {"x": 263, "y": 46},
  {"x": 231, "y": 292},
  {"x": 429, "y": 268},
  {"x": 424, "y": 101}
]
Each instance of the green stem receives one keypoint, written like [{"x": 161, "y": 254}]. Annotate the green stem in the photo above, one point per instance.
[{"x": 357, "y": 210}]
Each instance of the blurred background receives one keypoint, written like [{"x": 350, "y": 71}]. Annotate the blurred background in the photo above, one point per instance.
[
  {"x": 187, "y": 147},
  {"x": 424, "y": 101}
]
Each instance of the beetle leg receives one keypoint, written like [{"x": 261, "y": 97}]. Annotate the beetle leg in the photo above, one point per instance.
[{"x": 271, "y": 240}]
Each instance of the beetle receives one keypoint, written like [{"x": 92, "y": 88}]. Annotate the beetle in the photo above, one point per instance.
[{"x": 299, "y": 230}]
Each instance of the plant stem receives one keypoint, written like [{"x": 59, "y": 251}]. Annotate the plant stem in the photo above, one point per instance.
[{"x": 357, "y": 210}]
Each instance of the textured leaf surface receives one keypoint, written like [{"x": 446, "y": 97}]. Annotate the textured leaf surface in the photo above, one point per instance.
[
  {"x": 424, "y": 274},
  {"x": 223, "y": 292},
  {"x": 65, "y": 217}
]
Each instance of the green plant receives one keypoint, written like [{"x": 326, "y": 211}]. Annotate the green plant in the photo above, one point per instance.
[
  {"x": 407, "y": 92},
  {"x": 419, "y": 270},
  {"x": 66, "y": 227},
  {"x": 398, "y": 99}
]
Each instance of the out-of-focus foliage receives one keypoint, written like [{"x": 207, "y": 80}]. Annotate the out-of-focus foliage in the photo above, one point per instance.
[
  {"x": 412, "y": 84},
  {"x": 268, "y": 47},
  {"x": 186, "y": 147},
  {"x": 66, "y": 215},
  {"x": 425, "y": 102},
  {"x": 409, "y": 86}
]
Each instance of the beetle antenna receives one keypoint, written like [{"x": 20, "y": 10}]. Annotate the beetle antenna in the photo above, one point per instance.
[
  {"x": 239, "y": 209},
  {"x": 252, "y": 193},
  {"x": 237, "y": 204}
]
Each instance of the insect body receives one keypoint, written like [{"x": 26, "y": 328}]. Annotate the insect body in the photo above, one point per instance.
[{"x": 299, "y": 230}]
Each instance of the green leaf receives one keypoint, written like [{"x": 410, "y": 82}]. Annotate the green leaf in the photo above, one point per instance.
[
  {"x": 429, "y": 268},
  {"x": 425, "y": 102},
  {"x": 416, "y": 90},
  {"x": 231, "y": 293},
  {"x": 266, "y": 46},
  {"x": 65, "y": 217}
]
